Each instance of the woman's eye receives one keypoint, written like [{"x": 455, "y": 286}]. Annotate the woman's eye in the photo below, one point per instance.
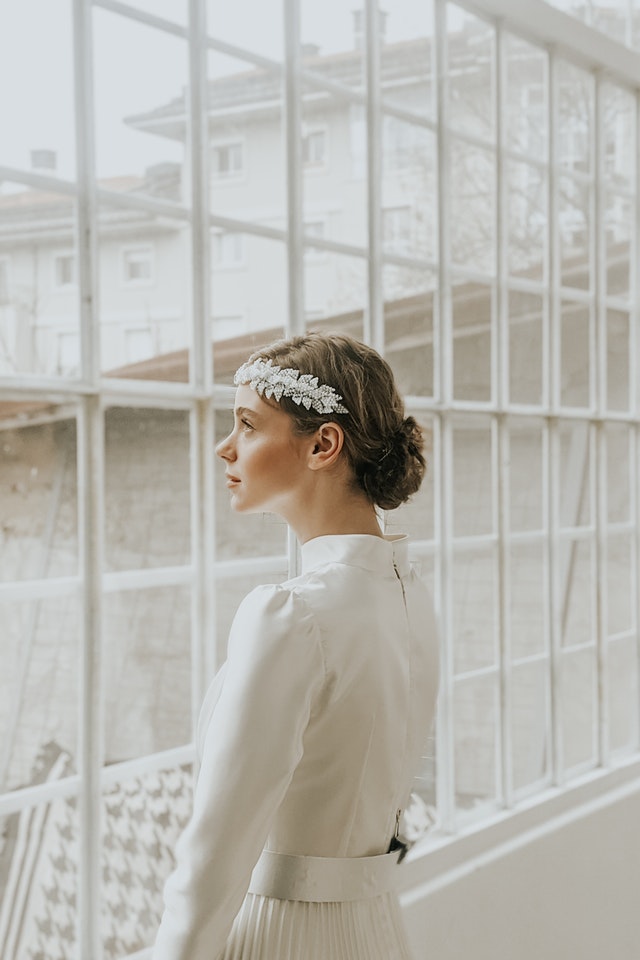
[{"x": 246, "y": 425}]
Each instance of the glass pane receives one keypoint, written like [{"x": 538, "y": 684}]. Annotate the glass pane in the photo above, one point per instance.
[
  {"x": 623, "y": 693},
  {"x": 618, "y": 231},
  {"x": 147, "y": 487},
  {"x": 526, "y": 97},
  {"x": 528, "y": 600},
  {"x": 611, "y": 22},
  {"x": 576, "y": 592},
  {"x": 335, "y": 294},
  {"x": 39, "y": 476},
  {"x": 529, "y": 718},
  {"x": 39, "y": 906},
  {"x": 574, "y": 233},
  {"x": 139, "y": 114},
  {"x": 526, "y": 220},
  {"x": 249, "y": 296},
  {"x": 475, "y": 712},
  {"x": 525, "y": 312},
  {"x": 473, "y": 311},
  {"x": 409, "y": 304},
  {"x": 620, "y": 582},
  {"x": 618, "y": 475},
  {"x": 144, "y": 302},
  {"x": 575, "y": 107},
  {"x": 575, "y": 475},
  {"x": 37, "y": 118},
  {"x": 526, "y": 492},
  {"x": 147, "y": 671},
  {"x": 254, "y": 26},
  {"x": 474, "y": 610},
  {"x": 334, "y": 165},
  {"x": 341, "y": 31},
  {"x": 472, "y": 186},
  {"x": 470, "y": 82},
  {"x": 618, "y": 359},
  {"x": 39, "y": 297},
  {"x": 409, "y": 214},
  {"x": 39, "y": 687},
  {"x": 416, "y": 517},
  {"x": 472, "y": 479},
  {"x": 575, "y": 354},
  {"x": 578, "y": 708},
  {"x": 408, "y": 48},
  {"x": 142, "y": 819}
]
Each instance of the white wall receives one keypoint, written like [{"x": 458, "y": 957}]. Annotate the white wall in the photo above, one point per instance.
[{"x": 571, "y": 893}]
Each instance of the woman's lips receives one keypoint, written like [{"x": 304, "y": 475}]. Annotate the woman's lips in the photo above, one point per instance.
[{"x": 231, "y": 481}]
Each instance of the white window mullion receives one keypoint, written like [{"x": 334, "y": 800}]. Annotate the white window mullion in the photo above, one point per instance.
[
  {"x": 295, "y": 227},
  {"x": 443, "y": 390},
  {"x": 90, "y": 468},
  {"x": 374, "y": 314},
  {"x": 552, "y": 440},
  {"x": 599, "y": 439},
  {"x": 500, "y": 394}
]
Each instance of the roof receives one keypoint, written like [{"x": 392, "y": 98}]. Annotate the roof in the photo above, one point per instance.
[{"x": 407, "y": 62}]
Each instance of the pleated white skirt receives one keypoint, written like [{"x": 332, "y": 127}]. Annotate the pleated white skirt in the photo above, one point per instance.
[
  {"x": 318, "y": 908},
  {"x": 270, "y": 929}
]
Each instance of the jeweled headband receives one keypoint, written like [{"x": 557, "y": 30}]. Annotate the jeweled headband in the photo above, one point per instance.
[{"x": 270, "y": 380}]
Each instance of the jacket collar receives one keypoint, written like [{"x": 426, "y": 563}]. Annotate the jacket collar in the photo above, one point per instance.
[{"x": 378, "y": 554}]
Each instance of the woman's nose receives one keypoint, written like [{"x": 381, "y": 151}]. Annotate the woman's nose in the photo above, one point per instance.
[{"x": 224, "y": 449}]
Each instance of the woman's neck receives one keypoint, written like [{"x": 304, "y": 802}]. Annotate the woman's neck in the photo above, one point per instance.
[{"x": 335, "y": 515}]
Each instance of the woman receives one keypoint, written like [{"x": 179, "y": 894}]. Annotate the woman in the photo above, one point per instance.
[{"x": 311, "y": 732}]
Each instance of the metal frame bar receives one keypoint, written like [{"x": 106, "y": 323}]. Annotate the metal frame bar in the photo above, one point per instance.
[{"x": 374, "y": 314}]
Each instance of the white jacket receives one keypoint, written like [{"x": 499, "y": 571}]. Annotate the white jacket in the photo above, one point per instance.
[{"x": 311, "y": 732}]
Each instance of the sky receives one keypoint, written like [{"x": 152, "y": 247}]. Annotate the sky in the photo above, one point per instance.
[{"x": 137, "y": 68}]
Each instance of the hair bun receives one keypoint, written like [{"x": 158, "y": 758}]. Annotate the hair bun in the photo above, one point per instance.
[{"x": 399, "y": 470}]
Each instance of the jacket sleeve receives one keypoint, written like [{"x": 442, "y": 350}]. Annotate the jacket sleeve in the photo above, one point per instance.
[{"x": 251, "y": 747}]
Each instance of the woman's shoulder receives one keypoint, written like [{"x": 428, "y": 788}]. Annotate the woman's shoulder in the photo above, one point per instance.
[{"x": 276, "y": 611}]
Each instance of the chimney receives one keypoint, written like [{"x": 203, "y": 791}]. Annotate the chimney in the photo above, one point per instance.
[
  {"x": 43, "y": 161},
  {"x": 359, "y": 27}
]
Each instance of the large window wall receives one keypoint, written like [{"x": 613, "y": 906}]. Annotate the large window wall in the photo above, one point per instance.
[{"x": 435, "y": 179}]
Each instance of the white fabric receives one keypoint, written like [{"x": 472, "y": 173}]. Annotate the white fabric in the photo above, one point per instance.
[
  {"x": 309, "y": 738},
  {"x": 323, "y": 879}
]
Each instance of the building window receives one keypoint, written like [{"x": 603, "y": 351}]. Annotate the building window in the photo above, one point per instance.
[
  {"x": 314, "y": 148},
  {"x": 5, "y": 291},
  {"x": 228, "y": 250},
  {"x": 64, "y": 271},
  {"x": 137, "y": 266},
  {"x": 228, "y": 160}
]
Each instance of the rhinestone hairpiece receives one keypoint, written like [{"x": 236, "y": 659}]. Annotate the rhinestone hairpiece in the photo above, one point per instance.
[{"x": 270, "y": 380}]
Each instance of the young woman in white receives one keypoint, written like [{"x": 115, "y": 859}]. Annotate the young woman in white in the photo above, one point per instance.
[{"x": 311, "y": 732}]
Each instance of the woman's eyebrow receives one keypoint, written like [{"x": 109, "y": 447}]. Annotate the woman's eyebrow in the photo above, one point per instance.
[{"x": 244, "y": 411}]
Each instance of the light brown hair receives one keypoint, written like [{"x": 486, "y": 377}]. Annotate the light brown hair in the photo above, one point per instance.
[{"x": 383, "y": 447}]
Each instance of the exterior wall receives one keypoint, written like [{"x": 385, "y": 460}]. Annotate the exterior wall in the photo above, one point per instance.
[{"x": 571, "y": 892}]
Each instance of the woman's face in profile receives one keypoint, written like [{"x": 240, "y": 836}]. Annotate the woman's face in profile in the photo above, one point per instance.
[{"x": 265, "y": 462}]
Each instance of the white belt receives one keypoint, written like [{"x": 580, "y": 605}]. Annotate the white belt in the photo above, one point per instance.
[{"x": 323, "y": 879}]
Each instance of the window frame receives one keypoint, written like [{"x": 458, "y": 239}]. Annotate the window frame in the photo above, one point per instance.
[
  {"x": 129, "y": 282},
  {"x": 201, "y": 397}
]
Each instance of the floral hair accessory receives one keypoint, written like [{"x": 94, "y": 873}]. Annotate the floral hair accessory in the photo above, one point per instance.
[{"x": 270, "y": 380}]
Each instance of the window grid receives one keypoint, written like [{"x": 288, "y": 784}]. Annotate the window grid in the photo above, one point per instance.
[{"x": 94, "y": 397}]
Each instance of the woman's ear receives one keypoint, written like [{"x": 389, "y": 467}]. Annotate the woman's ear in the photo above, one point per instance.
[{"x": 327, "y": 443}]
